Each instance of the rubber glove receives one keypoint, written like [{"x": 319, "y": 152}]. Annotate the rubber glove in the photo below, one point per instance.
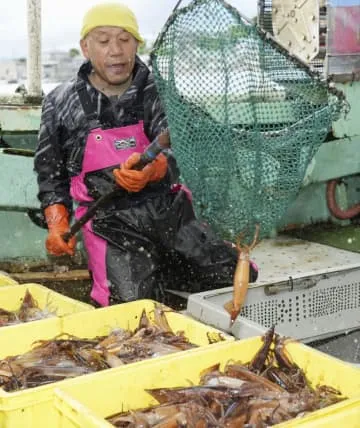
[
  {"x": 133, "y": 180},
  {"x": 57, "y": 218}
]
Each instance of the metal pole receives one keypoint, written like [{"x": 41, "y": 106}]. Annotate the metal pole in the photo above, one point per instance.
[{"x": 34, "y": 48}]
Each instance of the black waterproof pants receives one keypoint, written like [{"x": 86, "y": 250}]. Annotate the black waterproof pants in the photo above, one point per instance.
[{"x": 158, "y": 243}]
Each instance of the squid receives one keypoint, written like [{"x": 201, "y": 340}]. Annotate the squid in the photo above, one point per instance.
[{"x": 241, "y": 276}]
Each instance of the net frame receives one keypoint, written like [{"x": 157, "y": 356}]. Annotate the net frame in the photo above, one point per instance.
[{"x": 210, "y": 205}]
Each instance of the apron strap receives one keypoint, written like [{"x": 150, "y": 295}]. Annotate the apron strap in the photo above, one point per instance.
[
  {"x": 139, "y": 104},
  {"x": 89, "y": 107}
]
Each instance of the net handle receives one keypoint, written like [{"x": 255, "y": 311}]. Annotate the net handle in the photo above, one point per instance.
[{"x": 176, "y": 6}]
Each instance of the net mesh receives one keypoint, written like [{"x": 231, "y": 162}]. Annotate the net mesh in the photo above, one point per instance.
[{"x": 245, "y": 117}]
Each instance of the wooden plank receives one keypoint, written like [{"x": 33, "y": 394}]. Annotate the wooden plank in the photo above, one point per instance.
[{"x": 72, "y": 275}]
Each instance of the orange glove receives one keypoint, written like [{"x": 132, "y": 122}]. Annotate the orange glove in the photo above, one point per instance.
[
  {"x": 57, "y": 218},
  {"x": 133, "y": 180},
  {"x": 160, "y": 166}
]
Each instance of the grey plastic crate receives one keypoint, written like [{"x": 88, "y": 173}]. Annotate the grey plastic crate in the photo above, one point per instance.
[{"x": 309, "y": 291}]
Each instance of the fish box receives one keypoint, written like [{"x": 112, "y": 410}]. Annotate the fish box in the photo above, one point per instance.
[
  {"x": 34, "y": 407},
  {"x": 309, "y": 291},
  {"x": 86, "y": 403},
  {"x": 127, "y": 315},
  {"x": 53, "y": 304}
]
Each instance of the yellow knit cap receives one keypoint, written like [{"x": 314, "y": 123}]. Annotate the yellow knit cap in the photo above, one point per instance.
[{"x": 112, "y": 15}]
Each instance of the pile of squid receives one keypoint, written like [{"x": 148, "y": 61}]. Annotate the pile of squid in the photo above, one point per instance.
[
  {"x": 67, "y": 356},
  {"x": 29, "y": 311},
  {"x": 268, "y": 390}
]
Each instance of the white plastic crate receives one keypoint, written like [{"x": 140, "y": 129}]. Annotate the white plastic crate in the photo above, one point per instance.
[{"x": 309, "y": 291}]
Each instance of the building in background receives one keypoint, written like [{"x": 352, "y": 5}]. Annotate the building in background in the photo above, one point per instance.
[
  {"x": 13, "y": 70},
  {"x": 57, "y": 66}
]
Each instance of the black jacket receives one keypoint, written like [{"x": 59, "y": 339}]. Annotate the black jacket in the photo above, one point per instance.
[{"x": 64, "y": 128}]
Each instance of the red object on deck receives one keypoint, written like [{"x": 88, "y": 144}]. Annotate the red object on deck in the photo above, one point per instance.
[{"x": 345, "y": 30}]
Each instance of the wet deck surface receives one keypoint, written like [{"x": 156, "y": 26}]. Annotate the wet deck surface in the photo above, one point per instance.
[
  {"x": 79, "y": 290},
  {"x": 345, "y": 347},
  {"x": 342, "y": 237}
]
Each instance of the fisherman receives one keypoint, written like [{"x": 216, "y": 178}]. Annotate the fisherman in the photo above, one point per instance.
[{"x": 92, "y": 124}]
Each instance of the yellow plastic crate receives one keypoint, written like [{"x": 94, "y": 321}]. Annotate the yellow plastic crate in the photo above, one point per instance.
[
  {"x": 34, "y": 407},
  {"x": 11, "y": 298},
  {"x": 86, "y": 403},
  {"x": 6, "y": 280},
  {"x": 26, "y": 408},
  {"x": 127, "y": 315}
]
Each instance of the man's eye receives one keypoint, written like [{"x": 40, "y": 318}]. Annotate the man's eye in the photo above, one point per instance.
[
  {"x": 103, "y": 42},
  {"x": 124, "y": 40}
]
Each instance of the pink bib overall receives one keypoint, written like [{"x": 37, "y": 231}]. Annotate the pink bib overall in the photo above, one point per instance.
[{"x": 103, "y": 149}]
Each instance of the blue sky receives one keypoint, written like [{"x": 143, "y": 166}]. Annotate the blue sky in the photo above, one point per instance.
[{"x": 61, "y": 21}]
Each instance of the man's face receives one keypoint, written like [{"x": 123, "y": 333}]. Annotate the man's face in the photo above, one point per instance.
[{"x": 111, "y": 51}]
